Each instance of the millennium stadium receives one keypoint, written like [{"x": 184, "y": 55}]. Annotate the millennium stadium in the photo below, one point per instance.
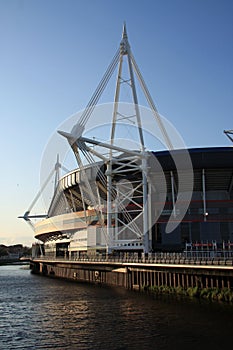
[{"x": 128, "y": 197}]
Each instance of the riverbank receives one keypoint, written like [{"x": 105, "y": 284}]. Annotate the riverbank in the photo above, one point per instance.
[
  {"x": 200, "y": 281},
  {"x": 14, "y": 262},
  {"x": 215, "y": 294},
  {"x": 9, "y": 261}
]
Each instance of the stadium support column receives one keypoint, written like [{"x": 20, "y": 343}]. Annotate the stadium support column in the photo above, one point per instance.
[
  {"x": 173, "y": 194},
  {"x": 150, "y": 214},
  {"x": 204, "y": 195},
  {"x": 109, "y": 206},
  {"x": 145, "y": 204}
]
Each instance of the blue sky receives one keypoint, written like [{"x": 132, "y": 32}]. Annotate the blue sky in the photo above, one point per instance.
[{"x": 54, "y": 52}]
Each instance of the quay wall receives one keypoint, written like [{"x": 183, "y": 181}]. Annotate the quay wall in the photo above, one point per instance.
[{"x": 137, "y": 276}]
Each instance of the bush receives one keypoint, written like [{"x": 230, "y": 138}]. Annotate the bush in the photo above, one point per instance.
[
  {"x": 193, "y": 291},
  {"x": 205, "y": 293}
]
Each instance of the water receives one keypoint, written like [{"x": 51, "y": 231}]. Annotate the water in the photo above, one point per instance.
[{"x": 42, "y": 313}]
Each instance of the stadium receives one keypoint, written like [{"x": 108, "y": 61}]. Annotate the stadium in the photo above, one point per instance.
[
  {"x": 131, "y": 200},
  {"x": 207, "y": 219}
]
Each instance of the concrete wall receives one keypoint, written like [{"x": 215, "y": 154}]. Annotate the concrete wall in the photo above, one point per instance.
[{"x": 137, "y": 276}]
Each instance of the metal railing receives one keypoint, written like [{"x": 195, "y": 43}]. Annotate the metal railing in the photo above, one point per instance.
[{"x": 187, "y": 258}]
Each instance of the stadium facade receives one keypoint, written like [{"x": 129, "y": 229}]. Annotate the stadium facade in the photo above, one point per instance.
[{"x": 209, "y": 216}]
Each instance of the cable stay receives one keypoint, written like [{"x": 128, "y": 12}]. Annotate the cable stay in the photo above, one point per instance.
[
  {"x": 56, "y": 170},
  {"x": 228, "y": 133}
]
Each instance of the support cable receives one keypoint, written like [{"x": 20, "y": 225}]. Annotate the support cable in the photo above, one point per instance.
[
  {"x": 151, "y": 104},
  {"x": 98, "y": 92}
]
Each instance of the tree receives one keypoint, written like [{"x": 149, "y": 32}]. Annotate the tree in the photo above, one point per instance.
[{"x": 3, "y": 250}]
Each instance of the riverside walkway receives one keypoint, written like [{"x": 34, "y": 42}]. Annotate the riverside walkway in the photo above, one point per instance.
[{"x": 216, "y": 258}]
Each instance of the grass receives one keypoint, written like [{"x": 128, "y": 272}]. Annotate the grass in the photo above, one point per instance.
[{"x": 218, "y": 294}]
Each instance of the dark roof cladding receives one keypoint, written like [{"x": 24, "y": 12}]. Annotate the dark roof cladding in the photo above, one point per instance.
[{"x": 210, "y": 157}]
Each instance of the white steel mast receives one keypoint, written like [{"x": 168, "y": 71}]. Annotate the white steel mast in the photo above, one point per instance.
[
  {"x": 130, "y": 161},
  {"x": 126, "y": 51}
]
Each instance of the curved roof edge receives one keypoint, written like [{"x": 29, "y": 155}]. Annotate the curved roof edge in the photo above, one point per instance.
[
  {"x": 198, "y": 150},
  {"x": 203, "y": 157}
]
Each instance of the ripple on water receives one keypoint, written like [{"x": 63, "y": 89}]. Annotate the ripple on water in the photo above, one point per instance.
[{"x": 42, "y": 313}]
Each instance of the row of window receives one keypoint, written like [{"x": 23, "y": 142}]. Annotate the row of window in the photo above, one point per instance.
[{"x": 129, "y": 244}]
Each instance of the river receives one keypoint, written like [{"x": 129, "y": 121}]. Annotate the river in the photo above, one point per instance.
[{"x": 43, "y": 313}]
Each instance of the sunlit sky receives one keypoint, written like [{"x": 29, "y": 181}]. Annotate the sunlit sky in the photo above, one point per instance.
[{"x": 54, "y": 53}]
